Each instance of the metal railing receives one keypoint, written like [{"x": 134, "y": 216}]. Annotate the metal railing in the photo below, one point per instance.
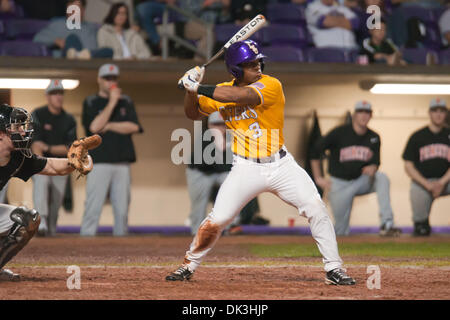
[{"x": 166, "y": 36}]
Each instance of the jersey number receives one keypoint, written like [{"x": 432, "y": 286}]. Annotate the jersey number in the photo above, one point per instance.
[{"x": 255, "y": 127}]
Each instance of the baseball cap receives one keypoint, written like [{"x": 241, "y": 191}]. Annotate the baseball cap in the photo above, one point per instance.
[
  {"x": 108, "y": 70},
  {"x": 55, "y": 85},
  {"x": 438, "y": 103},
  {"x": 215, "y": 118},
  {"x": 363, "y": 105}
]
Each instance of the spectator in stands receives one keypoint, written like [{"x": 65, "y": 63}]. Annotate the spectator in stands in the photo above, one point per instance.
[
  {"x": 353, "y": 166},
  {"x": 112, "y": 115},
  {"x": 444, "y": 26},
  {"x": 54, "y": 131},
  {"x": 380, "y": 49},
  {"x": 242, "y": 11},
  {"x": 43, "y": 9},
  {"x": 146, "y": 12},
  {"x": 207, "y": 10},
  {"x": 332, "y": 24},
  {"x": 7, "y": 8},
  {"x": 117, "y": 35},
  {"x": 77, "y": 43},
  {"x": 427, "y": 163},
  {"x": 361, "y": 11}
]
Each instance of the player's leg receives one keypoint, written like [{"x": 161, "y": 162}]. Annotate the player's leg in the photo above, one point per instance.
[
  {"x": 40, "y": 200},
  {"x": 293, "y": 185},
  {"x": 243, "y": 183},
  {"x": 421, "y": 201},
  {"x": 17, "y": 226},
  {"x": 57, "y": 189},
  {"x": 120, "y": 198},
  {"x": 382, "y": 186},
  {"x": 341, "y": 197},
  {"x": 199, "y": 188},
  {"x": 97, "y": 186}
]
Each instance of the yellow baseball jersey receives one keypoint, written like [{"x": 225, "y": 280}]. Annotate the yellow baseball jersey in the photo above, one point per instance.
[{"x": 257, "y": 130}]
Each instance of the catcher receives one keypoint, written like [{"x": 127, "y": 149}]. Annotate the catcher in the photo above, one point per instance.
[{"x": 19, "y": 224}]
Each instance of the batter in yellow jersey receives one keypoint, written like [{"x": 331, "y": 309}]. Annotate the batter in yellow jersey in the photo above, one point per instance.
[
  {"x": 258, "y": 130},
  {"x": 252, "y": 105}
]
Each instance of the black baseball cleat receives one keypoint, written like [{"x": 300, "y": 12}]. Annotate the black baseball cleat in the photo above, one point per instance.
[
  {"x": 181, "y": 274},
  {"x": 338, "y": 277}
]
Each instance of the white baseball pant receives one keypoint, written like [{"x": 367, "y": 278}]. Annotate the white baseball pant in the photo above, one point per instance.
[{"x": 284, "y": 178}]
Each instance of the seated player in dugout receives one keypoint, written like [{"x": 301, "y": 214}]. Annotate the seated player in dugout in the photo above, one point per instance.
[
  {"x": 19, "y": 224},
  {"x": 252, "y": 105},
  {"x": 353, "y": 166},
  {"x": 427, "y": 163}
]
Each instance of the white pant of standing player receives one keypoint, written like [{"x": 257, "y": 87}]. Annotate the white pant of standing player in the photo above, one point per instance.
[{"x": 284, "y": 178}]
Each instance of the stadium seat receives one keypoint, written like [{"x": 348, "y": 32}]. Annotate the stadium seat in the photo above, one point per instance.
[
  {"x": 286, "y": 13},
  {"x": 337, "y": 55},
  {"x": 23, "y": 29},
  {"x": 424, "y": 14},
  {"x": 285, "y": 35},
  {"x": 433, "y": 36},
  {"x": 418, "y": 55},
  {"x": 22, "y": 48},
  {"x": 223, "y": 32},
  {"x": 2, "y": 30},
  {"x": 283, "y": 54},
  {"x": 444, "y": 57}
]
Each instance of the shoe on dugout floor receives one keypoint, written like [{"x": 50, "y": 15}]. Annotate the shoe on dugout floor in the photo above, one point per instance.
[
  {"x": 391, "y": 232},
  {"x": 181, "y": 274},
  {"x": 339, "y": 277},
  {"x": 8, "y": 275}
]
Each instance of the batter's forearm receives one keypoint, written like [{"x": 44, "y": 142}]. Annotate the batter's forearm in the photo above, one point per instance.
[{"x": 239, "y": 95}]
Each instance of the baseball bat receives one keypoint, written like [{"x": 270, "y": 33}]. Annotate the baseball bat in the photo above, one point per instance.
[{"x": 243, "y": 34}]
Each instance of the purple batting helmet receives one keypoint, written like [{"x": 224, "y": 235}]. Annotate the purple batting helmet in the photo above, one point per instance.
[{"x": 239, "y": 52}]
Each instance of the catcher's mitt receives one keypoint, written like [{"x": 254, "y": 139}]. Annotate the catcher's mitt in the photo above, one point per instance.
[{"x": 78, "y": 156}]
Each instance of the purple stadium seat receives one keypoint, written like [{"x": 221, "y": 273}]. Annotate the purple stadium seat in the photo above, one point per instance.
[
  {"x": 337, "y": 55},
  {"x": 285, "y": 35},
  {"x": 424, "y": 14},
  {"x": 444, "y": 57},
  {"x": 21, "y": 48},
  {"x": 433, "y": 37},
  {"x": 23, "y": 29},
  {"x": 286, "y": 13},
  {"x": 283, "y": 54},
  {"x": 225, "y": 31},
  {"x": 418, "y": 55}
]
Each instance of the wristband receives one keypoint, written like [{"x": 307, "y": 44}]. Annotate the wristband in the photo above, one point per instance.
[{"x": 206, "y": 90}]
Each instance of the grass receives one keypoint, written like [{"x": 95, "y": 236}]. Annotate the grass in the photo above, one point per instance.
[{"x": 387, "y": 249}]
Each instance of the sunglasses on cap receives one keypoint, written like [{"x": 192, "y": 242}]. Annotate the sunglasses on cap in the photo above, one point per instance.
[{"x": 110, "y": 78}]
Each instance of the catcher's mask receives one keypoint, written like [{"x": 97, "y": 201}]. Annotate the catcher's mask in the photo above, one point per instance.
[{"x": 17, "y": 123}]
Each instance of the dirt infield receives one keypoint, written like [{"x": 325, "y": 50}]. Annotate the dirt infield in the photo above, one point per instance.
[{"x": 135, "y": 267}]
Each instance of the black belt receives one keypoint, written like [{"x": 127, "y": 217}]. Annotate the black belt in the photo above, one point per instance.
[{"x": 281, "y": 152}]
